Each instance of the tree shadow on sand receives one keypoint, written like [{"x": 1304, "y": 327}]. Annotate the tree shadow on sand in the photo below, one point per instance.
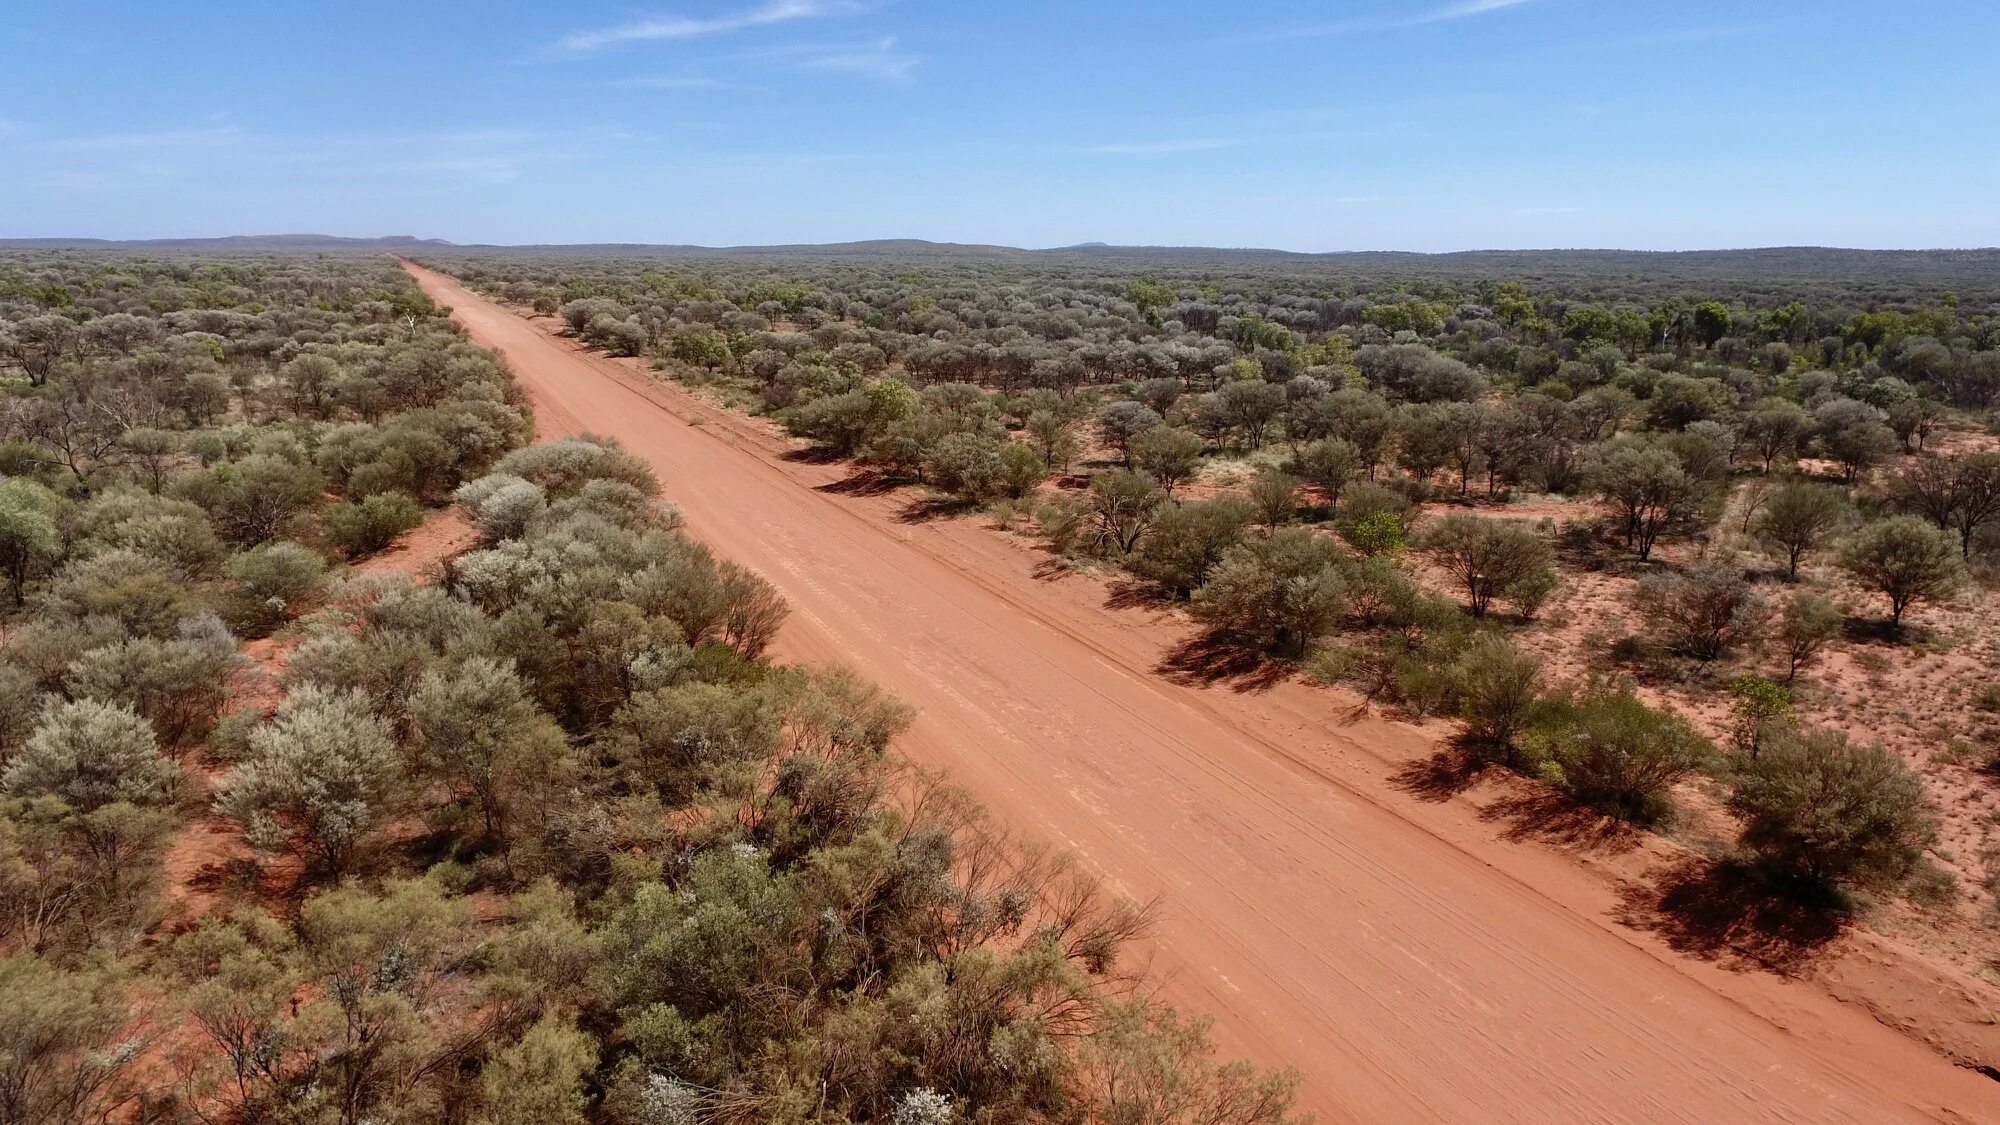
[
  {"x": 1529, "y": 813},
  {"x": 811, "y": 455},
  {"x": 926, "y": 509},
  {"x": 1555, "y": 818},
  {"x": 1729, "y": 914},
  {"x": 860, "y": 482},
  {"x": 1208, "y": 658},
  {"x": 1123, "y": 593},
  {"x": 1440, "y": 776}
]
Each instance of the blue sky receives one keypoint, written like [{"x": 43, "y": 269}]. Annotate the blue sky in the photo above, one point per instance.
[{"x": 1364, "y": 124}]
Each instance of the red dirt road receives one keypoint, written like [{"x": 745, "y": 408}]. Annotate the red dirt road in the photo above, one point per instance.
[{"x": 1410, "y": 961}]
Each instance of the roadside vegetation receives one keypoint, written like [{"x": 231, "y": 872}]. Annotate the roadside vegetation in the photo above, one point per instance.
[
  {"x": 1637, "y": 534},
  {"x": 543, "y": 837}
]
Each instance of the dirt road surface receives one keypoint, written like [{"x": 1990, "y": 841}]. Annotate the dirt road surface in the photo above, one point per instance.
[{"x": 1412, "y": 961}]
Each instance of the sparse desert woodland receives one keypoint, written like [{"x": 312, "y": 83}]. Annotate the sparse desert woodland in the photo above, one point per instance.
[
  {"x": 366, "y": 758},
  {"x": 1706, "y": 542},
  {"x": 1739, "y": 497},
  {"x": 361, "y": 761}
]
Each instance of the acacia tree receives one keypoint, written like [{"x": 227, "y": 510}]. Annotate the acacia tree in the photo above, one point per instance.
[
  {"x": 1702, "y": 612},
  {"x": 319, "y": 778},
  {"x": 1958, "y": 494},
  {"x": 1120, "y": 422},
  {"x": 1852, "y": 434},
  {"x": 1819, "y": 808},
  {"x": 1328, "y": 464},
  {"x": 1187, "y": 540},
  {"x": 1170, "y": 455},
  {"x": 1806, "y": 625},
  {"x": 1799, "y": 518},
  {"x": 1609, "y": 749},
  {"x": 1906, "y": 559},
  {"x": 1122, "y": 504},
  {"x": 28, "y": 536},
  {"x": 1774, "y": 429},
  {"x": 1279, "y": 591},
  {"x": 1275, "y": 493},
  {"x": 1496, "y": 687},
  {"x": 1486, "y": 556},
  {"x": 476, "y": 730},
  {"x": 36, "y": 345},
  {"x": 1649, "y": 491}
]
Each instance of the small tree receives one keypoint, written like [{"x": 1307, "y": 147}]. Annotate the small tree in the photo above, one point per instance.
[
  {"x": 1120, "y": 422},
  {"x": 1759, "y": 709},
  {"x": 1703, "y": 612},
  {"x": 1486, "y": 556},
  {"x": 1806, "y": 626},
  {"x": 1378, "y": 534},
  {"x": 1906, "y": 559},
  {"x": 1054, "y": 437},
  {"x": 1497, "y": 688},
  {"x": 1774, "y": 429},
  {"x": 92, "y": 754},
  {"x": 1852, "y": 434},
  {"x": 1649, "y": 491},
  {"x": 1275, "y": 494},
  {"x": 1170, "y": 455},
  {"x": 1609, "y": 749},
  {"x": 320, "y": 778},
  {"x": 1328, "y": 465},
  {"x": 364, "y": 527},
  {"x": 177, "y": 685},
  {"x": 28, "y": 539},
  {"x": 539, "y": 1080},
  {"x": 501, "y": 505},
  {"x": 753, "y": 611},
  {"x": 1248, "y": 407},
  {"x": 1122, "y": 505},
  {"x": 1022, "y": 470},
  {"x": 1798, "y": 518},
  {"x": 476, "y": 730},
  {"x": 1959, "y": 494},
  {"x": 1187, "y": 540},
  {"x": 273, "y": 582},
  {"x": 1281, "y": 591},
  {"x": 1818, "y": 808},
  {"x": 70, "y": 1051}
]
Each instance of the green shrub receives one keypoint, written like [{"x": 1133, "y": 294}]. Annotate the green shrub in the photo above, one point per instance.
[
  {"x": 1607, "y": 748},
  {"x": 363, "y": 527},
  {"x": 1279, "y": 592},
  {"x": 274, "y": 582},
  {"x": 1821, "y": 809},
  {"x": 1186, "y": 540},
  {"x": 1497, "y": 688}
]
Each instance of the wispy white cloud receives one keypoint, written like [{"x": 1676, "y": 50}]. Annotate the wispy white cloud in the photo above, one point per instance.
[
  {"x": 158, "y": 138},
  {"x": 879, "y": 59},
  {"x": 1444, "y": 14},
  {"x": 1462, "y": 10},
  {"x": 675, "y": 82},
  {"x": 1161, "y": 148},
  {"x": 691, "y": 27}
]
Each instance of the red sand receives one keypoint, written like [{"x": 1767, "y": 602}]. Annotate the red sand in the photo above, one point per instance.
[{"x": 1413, "y": 958}]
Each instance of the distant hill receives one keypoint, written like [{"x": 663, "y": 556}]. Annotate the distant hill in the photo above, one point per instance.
[
  {"x": 1980, "y": 267},
  {"x": 237, "y": 242}
]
